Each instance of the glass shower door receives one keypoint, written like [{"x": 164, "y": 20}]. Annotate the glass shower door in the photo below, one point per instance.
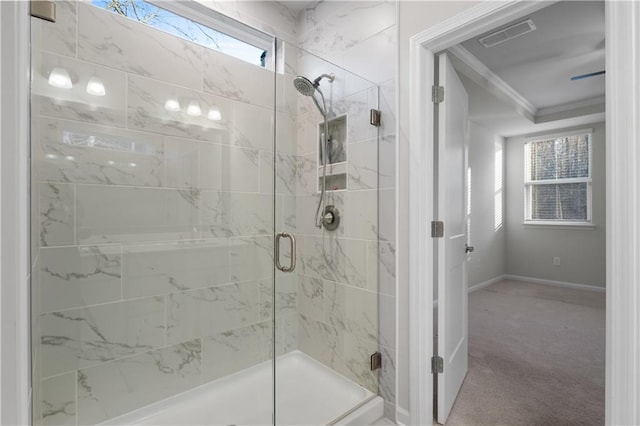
[
  {"x": 327, "y": 308},
  {"x": 153, "y": 200}
]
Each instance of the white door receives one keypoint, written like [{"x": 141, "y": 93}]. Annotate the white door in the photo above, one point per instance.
[{"x": 452, "y": 259}]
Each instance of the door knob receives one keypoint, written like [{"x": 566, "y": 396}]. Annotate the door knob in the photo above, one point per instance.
[{"x": 468, "y": 248}]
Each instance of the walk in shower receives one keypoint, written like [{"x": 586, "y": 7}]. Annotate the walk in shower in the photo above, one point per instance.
[{"x": 166, "y": 157}]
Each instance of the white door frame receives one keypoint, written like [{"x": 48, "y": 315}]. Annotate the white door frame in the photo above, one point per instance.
[
  {"x": 15, "y": 357},
  {"x": 623, "y": 199}
]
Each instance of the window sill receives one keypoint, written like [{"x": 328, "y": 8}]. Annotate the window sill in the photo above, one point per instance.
[{"x": 568, "y": 225}]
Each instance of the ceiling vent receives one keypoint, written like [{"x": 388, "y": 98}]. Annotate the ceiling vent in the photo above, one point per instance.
[{"x": 508, "y": 33}]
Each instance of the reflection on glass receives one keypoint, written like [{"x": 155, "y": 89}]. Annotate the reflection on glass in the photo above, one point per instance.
[
  {"x": 96, "y": 87},
  {"x": 59, "y": 77},
  {"x": 214, "y": 114},
  {"x": 172, "y": 105},
  {"x": 194, "y": 109}
]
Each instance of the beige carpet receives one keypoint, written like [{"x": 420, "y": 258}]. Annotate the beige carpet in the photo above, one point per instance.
[{"x": 536, "y": 357}]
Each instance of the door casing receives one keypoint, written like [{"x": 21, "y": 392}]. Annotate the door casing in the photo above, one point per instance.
[{"x": 622, "y": 364}]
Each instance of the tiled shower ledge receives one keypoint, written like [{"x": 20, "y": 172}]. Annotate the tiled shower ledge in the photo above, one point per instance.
[{"x": 308, "y": 393}]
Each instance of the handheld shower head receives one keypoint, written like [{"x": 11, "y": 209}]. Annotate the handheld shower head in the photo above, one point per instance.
[
  {"x": 307, "y": 87},
  {"x": 304, "y": 85}
]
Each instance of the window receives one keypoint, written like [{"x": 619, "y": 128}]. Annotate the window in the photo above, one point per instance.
[
  {"x": 557, "y": 180},
  {"x": 497, "y": 187},
  {"x": 165, "y": 20}
]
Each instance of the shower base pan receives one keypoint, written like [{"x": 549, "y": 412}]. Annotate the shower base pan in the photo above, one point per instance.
[{"x": 308, "y": 393}]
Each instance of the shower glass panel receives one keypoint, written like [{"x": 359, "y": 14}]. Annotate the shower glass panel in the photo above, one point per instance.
[
  {"x": 153, "y": 201},
  {"x": 327, "y": 309}
]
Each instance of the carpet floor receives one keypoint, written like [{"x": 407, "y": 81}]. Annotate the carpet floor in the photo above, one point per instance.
[{"x": 536, "y": 357}]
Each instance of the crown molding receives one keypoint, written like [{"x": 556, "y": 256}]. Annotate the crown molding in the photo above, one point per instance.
[{"x": 479, "y": 73}]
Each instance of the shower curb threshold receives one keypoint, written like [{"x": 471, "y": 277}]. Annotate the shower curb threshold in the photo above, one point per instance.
[{"x": 308, "y": 393}]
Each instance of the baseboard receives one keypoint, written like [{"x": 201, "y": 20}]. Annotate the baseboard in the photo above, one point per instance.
[
  {"x": 556, "y": 283},
  {"x": 476, "y": 287},
  {"x": 487, "y": 283},
  {"x": 402, "y": 416}
]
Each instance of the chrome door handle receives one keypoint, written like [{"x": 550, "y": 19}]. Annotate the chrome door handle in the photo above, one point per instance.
[
  {"x": 468, "y": 248},
  {"x": 292, "y": 241}
]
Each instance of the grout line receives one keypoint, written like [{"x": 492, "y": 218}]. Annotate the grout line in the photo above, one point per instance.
[
  {"x": 77, "y": 398},
  {"x": 121, "y": 272}
]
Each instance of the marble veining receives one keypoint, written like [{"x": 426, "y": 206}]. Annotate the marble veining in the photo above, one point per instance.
[
  {"x": 319, "y": 340},
  {"x": 234, "y": 160},
  {"x": 363, "y": 165},
  {"x": 387, "y": 268},
  {"x": 286, "y": 173},
  {"x": 60, "y": 36},
  {"x": 311, "y": 297},
  {"x": 253, "y": 126},
  {"x": 236, "y": 79},
  {"x": 251, "y": 214},
  {"x": 206, "y": 311},
  {"x": 387, "y": 376},
  {"x": 81, "y": 153},
  {"x": 111, "y": 389},
  {"x": 78, "y": 276},
  {"x": 254, "y": 251},
  {"x": 80, "y": 338},
  {"x": 193, "y": 164},
  {"x": 191, "y": 224},
  {"x": 141, "y": 214},
  {"x": 163, "y": 268},
  {"x": 336, "y": 259},
  {"x": 307, "y": 174},
  {"x": 234, "y": 350},
  {"x": 353, "y": 310},
  {"x": 57, "y": 215},
  {"x": 137, "y": 48},
  {"x": 59, "y": 400},
  {"x": 362, "y": 210}
]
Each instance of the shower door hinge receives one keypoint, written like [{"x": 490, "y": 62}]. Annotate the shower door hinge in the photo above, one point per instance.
[
  {"x": 437, "y": 229},
  {"x": 437, "y": 94},
  {"x": 374, "y": 117},
  {"x": 376, "y": 361},
  {"x": 437, "y": 364},
  {"x": 44, "y": 10}
]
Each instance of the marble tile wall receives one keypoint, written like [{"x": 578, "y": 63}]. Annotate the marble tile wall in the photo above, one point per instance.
[
  {"x": 153, "y": 227},
  {"x": 133, "y": 198},
  {"x": 360, "y": 36},
  {"x": 337, "y": 270}
]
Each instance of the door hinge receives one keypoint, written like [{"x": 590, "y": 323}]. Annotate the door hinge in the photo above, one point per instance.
[
  {"x": 376, "y": 361},
  {"x": 374, "y": 117},
  {"x": 437, "y": 94},
  {"x": 437, "y": 364},
  {"x": 44, "y": 10},
  {"x": 437, "y": 229}
]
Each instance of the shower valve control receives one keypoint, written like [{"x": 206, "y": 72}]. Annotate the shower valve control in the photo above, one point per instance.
[{"x": 330, "y": 218}]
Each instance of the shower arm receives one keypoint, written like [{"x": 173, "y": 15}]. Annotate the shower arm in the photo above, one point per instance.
[{"x": 319, "y": 218}]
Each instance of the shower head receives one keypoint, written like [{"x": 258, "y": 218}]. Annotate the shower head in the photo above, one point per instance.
[
  {"x": 308, "y": 87},
  {"x": 304, "y": 85}
]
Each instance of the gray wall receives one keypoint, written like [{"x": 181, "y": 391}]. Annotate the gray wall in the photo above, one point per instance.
[
  {"x": 488, "y": 259},
  {"x": 530, "y": 249}
]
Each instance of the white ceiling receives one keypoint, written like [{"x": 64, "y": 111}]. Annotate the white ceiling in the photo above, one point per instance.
[
  {"x": 501, "y": 118},
  {"x": 569, "y": 40}
]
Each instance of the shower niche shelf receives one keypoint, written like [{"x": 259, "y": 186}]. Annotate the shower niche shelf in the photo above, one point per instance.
[{"x": 336, "y": 179}]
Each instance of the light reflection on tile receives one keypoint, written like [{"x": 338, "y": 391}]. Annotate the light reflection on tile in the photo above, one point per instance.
[{"x": 89, "y": 153}]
